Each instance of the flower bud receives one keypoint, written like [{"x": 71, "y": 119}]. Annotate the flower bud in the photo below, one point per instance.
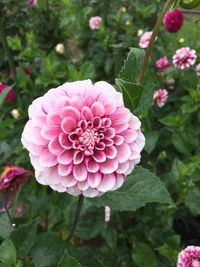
[
  {"x": 60, "y": 49},
  {"x": 15, "y": 113}
]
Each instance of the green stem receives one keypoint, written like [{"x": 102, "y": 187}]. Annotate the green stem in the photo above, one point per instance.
[
  {"x": 153, "y": 37},
  {"x": 76, "y": 218},
  {"x": 7, "y": 50}
]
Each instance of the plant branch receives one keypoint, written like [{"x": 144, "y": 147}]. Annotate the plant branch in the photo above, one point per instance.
[
  {"x": 76, "y": 218},
  {"x": 153, "y": 37}
]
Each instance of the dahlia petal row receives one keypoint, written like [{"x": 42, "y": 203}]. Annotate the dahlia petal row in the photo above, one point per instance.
[{"x": 81, "y": 138}]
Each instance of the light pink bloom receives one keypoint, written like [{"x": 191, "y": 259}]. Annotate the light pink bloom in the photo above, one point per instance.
[
  {"x": 189, "y": 257},
  {"x": 198, "y": 70},
  {"x": 10, "y": 97},
  {"x": 162, "y": 64},
  {"x": 82, "y": 139},
  {"x": 160, "y": 97},
  {"x": 184, "y": 58},
  {"x": 95, "y": 22},
  {"x": 144, "y": 39},
  {"x": 107, "y": 213},
  {"x": 32, "y": 2}
]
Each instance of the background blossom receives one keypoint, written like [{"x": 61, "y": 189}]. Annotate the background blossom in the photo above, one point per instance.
[
  {"x": 173, "y": 20},
  {"x": 95, "y": 22},
  {"x": 184, "y": 58},
  {"x": 144, "y": 39},
  {"x": 189, "y": 257},
  {"x": 160, "y": 97},
  {"x": 10, "y": 97},
  {"x": 162, "y": 64}
]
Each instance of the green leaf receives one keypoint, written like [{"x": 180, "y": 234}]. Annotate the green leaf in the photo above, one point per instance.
[
  {"x": 47, "y": 250},
  {"x": 8, "y": 252},
  {"x": 192, "y": 200},
  {"x": 140, "y": 188},
  {"x": 19, "y": 264},
  {"x": 129, "y": 73},
  {"x": 3, "y": 94},
  {"x": 68, "y": 261},
  {"x": 24, "y": 238},
  {"x": 169, "y": 248},
  {"x": 143, "y": 255},
  {"x": 131, "y": 93},
  {"x": 5, "y": 227},
  {"x": 151, "y": 140}
]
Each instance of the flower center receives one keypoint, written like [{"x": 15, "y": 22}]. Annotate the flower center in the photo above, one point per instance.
[
  {"x": 195, "y": 263},
  {"x": 89, "y": 137}
]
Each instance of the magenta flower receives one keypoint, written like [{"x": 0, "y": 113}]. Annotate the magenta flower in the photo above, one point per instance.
[
  {"x": 95, "y": 22},
  {"x": 173, "y": 20},
  {"x": 189, "y": 257},
  {"x": 82, "y": 139},
  {"x": 144, "y": 39},
  {"x": 10, "y": 97},
  {"x": 162, "y": 64},
  {"x": 198, "y": 70},
  {"x": 184, "y": 58},
  {"x": 32, "y": 2},
  {"x": 160, "y": 97}
]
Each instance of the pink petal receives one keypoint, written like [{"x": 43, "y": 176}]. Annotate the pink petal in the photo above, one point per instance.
[
  {"x": 64, "y": 141},
  {"x": 108, "y": 142},
  {"x": 36, "y": 163},
  {"x": 83, "y": 185},
  {"x": 58, "y": 188},
  {"x": 68, "y": 124},
  {"x": 37, "y": 139},
  {"x": 109, "y": 166},
  {"x": 123, "y": 153},
  {"x": 77, "y": 88},
  {"x": 87, "y": 113},
  {"x": 118, "y": 140},
  {"x": 140, "y": 141},
  {"x": 122, "y": 167},
  {"x": 53, "y": 118},
  {"x": 129, "y": 136},
  {"x": 70, "y": 112},
  {"x": 66, "y": 157},
  {"x": 90, "y": 192},
  {"x": 91, "y": 95},
  {"x": 47, "y": 159},
  {"x": 55, "y": 147},
  {"x": 62, "y": 102},
  {"x": 92, "y": 165},
  {"x": 50, "y": 131},
  {"x": 51, "y": 176},
  {"x": 121, "y": 114},
  {"x": 110, "y": 152},
  {"x": 99, "y": 156},
  {"x": 94, "y": 179},
  {"x": 68, "y": 181},
  {"x": 65, "y": 170},
  {"x": 98, "y": 109},
  {"x": 78, "y": 102},
  {"x": 134, "y": 123},
  {"x": 74, "y": 190},
  {"x": 80, "y": 172},
  {"x": 39, "y": 121},
  {"x": 107, "y": 183},
  {"x": 120, "y": 126},
  {"x": 109, "y": 133},
  {"x": 40, "y": 178},
  {"x": 78, "y": 157},
  {"x": 119, "y": 182}
]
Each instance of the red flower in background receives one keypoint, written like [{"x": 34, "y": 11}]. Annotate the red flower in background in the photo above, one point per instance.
[
  {"x": 26, "y": 70},
  {"x": 173, "y": 20},
  {"x": 11, "y": 94}
]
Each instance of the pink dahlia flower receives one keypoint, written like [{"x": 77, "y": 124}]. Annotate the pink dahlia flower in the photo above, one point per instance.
[
  {"x": 198, "y": 70},
  {"x": 32, "y": 2},
  {"x": 173, "y": 20},
  {"x": 184, "y": 58},
  {"x": 11, "y": 94},
  {"x": 189, "y": 257},
  {"x": 162, "y": 64},
  {"x": 95, "y": 22},
  {"x": 82, "y": 139},
  {"x": 160, "y": 97},
  {"x": 144, "y": 39}
]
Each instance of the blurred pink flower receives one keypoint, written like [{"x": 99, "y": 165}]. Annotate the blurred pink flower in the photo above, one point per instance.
[
  {"x": 12, "y": 178},
  {"x": 95, "y": 22},
  {"x": 162, "y": 64},
  {"x": 32, "y": 2},
  {"x": 81, "y": 138},
  {"x": 160, "y": 97},
  {"x": 198, "y": 70},
  {"x": 144, "y": 39},
  {"x": 173, "y": 20},
  {"x": 11, "y": 94},
  {"x": 107, "y": 213},
  {"x": 184, "y": 58},
  {"x": 26, "y": 70},
  {"x": 189, "y": 257}
]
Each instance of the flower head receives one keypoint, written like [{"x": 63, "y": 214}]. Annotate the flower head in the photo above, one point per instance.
[
  {"x": 184, "y": 58},
  {"x": 162, "y": 64},
  {"x": 10, "y": 97},
  {"x": 81, "y": 138},
  {"x": 189, "y": 257},
  {"x": 198, "y": 70},
  {"x": 94, "y": 22},
  {"x": 144, "y": 39},
  {"x": 160, "y": 97},
  {"x": 32, "y": 2},
  {"x": 12, "y": 178},
  {"x": 173, "y": 20}
]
